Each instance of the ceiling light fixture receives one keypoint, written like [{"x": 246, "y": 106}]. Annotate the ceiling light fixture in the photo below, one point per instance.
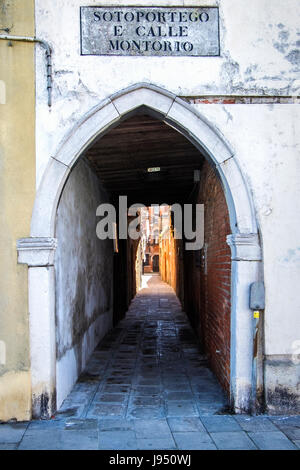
[{"x": 154, "y": 169}]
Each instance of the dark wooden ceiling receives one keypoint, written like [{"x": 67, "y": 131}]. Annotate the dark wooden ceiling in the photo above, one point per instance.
[{"x": 122, "y": 156}]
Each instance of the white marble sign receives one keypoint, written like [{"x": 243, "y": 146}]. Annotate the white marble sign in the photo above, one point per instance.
[{"x": 150, "y": 31}]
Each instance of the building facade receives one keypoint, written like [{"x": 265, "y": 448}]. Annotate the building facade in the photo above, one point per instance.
[{"x": 70, "y": 110}]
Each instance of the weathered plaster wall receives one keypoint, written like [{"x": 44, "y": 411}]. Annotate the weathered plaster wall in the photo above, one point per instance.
[
  {"x": 83, "y": 269},
  {"x": 17, "y": 191},
  {"x": 214, "y": 308}
]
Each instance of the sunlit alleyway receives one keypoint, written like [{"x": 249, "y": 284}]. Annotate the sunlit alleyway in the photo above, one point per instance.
[{"x": 147, "y": 386}]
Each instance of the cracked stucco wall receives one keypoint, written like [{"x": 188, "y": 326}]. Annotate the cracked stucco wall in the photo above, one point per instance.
[{"x": 83, "y": 270}]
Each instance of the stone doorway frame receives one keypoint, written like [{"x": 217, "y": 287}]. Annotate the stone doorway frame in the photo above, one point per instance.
[{"x": 38, "y": 250}]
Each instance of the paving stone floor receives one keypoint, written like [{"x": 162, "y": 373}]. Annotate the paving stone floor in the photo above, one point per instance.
[{"x": 147, "y": 386}]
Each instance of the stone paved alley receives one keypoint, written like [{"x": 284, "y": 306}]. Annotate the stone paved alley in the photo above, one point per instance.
[{"x": 147, "y": 386}]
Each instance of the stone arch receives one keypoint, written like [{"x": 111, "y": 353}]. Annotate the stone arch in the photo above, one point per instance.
[{"x": 38, "y": 250}]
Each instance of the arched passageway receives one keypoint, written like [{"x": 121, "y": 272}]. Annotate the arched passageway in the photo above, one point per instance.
[
  {"x": 94, "y": 166},
  {"x": 94, "y": 285}
]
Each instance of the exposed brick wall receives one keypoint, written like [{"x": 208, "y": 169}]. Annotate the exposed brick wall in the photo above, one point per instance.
[
  {"x": 208, "y": 278},
  {"x": 152, "y": 250}
]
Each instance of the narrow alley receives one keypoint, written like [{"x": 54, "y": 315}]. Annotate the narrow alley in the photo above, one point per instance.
[{"x": 148, "y": 386}]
